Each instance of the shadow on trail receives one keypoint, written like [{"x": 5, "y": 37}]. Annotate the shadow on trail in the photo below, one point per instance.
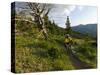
[{"x": 76, "y": 62}]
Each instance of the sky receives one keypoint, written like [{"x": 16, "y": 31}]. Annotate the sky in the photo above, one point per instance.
[{"x": 77, "y": 14}]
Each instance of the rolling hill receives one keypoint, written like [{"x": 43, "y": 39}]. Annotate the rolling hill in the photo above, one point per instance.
[{"x": 90, "y": 29}]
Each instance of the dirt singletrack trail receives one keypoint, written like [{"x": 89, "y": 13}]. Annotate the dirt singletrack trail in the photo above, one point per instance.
[{"x": 76, "y": 62}]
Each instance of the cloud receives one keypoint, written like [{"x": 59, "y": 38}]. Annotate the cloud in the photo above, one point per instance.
[
  {"x": 69, "y": 9},
  {"x": 59, "y": 13},
  {"x": 80, "y": 8},
  {"x": 62, "y": 10}
]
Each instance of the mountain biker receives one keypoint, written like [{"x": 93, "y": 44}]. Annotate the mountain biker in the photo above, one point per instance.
[{"x": 68, "y": 42}]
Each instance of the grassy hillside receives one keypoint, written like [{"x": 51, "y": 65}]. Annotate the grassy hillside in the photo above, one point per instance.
[
  {"x": 34, "y": 53},
  {"x": 40, "y": 55}
]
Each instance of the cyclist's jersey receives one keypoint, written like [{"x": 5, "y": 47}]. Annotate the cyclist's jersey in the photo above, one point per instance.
[{"x": 68, "y": 40}]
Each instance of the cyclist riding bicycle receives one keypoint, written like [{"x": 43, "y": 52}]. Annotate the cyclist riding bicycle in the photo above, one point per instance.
[{"x": 68, "y": 42}]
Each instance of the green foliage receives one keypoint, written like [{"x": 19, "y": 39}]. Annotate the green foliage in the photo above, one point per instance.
[
  {"x": 54, "y": 53},
  {"x": 40, "y": 55},
  {"x": 36, "y": 54},
  {"x": 87, "y": 53},
  {"x": 24, "y": 26}
]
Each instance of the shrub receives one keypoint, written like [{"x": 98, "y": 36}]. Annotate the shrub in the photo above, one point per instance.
[
  {"x": 86, "y": 51},
  {"x": 54, "y": 52}
]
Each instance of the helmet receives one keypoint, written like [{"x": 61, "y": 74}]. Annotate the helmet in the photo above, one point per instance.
[{"x": 67, "y": 35}]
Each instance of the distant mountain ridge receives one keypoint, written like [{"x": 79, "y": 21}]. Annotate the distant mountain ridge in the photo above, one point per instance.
[{"x": 90, "y": 29}]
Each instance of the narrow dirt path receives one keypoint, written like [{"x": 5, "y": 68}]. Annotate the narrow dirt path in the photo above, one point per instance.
[{"x": 76, "y": 62}]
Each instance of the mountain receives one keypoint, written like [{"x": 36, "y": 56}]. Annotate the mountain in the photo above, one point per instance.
[{"x": 90, "y": 29}]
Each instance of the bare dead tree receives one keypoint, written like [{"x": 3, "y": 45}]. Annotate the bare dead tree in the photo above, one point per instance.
[{"x": 39, "y": 12}]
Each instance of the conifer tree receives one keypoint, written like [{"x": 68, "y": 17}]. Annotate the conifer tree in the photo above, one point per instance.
[{"x": 68, "y": 27}]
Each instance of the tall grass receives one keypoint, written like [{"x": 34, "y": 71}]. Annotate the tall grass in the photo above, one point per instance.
[
  {"x": 34, "y": 55},
  {"x": 87, "y": 53}
]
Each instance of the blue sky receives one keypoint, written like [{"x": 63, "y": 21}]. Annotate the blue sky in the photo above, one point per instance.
[{"x": 78, "y": 14}]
